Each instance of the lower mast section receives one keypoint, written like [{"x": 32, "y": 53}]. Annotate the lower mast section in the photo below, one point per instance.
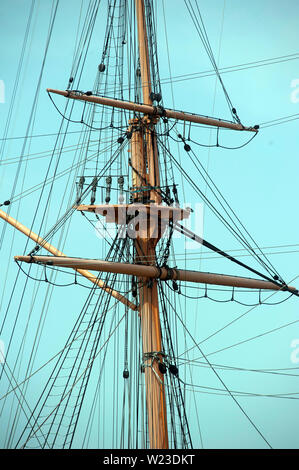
[
  {"x": 145, "y": 243},
  {"x": 152, "y": 353}
]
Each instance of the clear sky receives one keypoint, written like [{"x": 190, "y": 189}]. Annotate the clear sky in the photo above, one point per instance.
[{"x": 260, "y": 181}]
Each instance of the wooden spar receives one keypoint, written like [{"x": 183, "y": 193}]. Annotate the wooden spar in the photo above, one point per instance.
[
  {"x": 39, "y": 240},
  {"x": 148, "y": 271},
  {"x": 152, "y": 110}
]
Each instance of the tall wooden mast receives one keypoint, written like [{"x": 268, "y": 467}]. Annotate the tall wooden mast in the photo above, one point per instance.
[
  {"x": 145, "y": 179},
  {"x": 144, "y": 150}
]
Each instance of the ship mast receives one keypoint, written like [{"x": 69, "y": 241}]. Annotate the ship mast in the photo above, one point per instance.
[
  {"x": 147, "y": 199},
  {"x": 144, "y": 148}
]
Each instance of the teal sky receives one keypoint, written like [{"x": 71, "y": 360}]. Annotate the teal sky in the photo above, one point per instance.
[{"x": 260, "y": 181}]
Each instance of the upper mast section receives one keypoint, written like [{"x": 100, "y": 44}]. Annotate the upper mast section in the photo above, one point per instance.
[
  {"x": 148, "y": 125},
  {"x": 143, "y": 53},
  {"x": 147, "y": 84}
]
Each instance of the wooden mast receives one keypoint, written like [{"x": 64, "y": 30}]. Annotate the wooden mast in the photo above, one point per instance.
[{"x": 144, "y": 149}]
